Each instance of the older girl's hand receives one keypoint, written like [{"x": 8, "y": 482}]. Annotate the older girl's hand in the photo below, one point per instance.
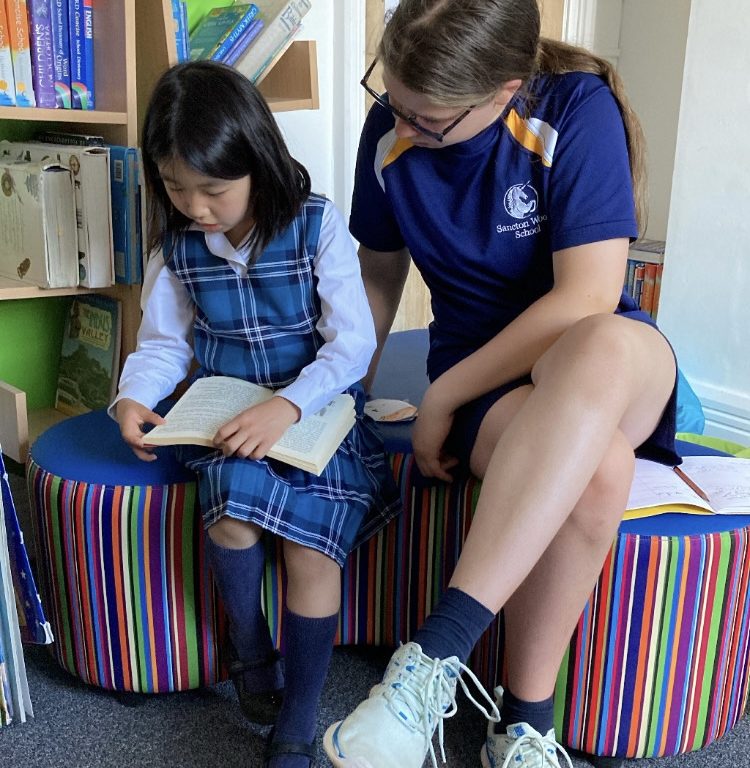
[
  {"x": 431, "y": 429},
  {"x": 132, "y": 418},
  {"x": 251, "y": 434}
]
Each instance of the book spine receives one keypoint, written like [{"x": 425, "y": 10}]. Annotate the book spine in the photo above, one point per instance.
[
  {"x": 638, "y": 282},
  {"x": 244, "y": 42},
  {"x": 179, "y": 30},
  {"x": 125, "y": 214},
  {"x": 628, "y": 284},
  {"x": 61, "y": 52},
  {"x": 42, "y": 57},
  {"x": 223, "y": 46},
  {"x": 649, "y": 284},
  {"x": 70, "y": 139},
  {"x": 185, "y": 34},
  {"x": 81, "y": 22},
  {"x": 7, "y": 80},
  {"x": 657, "y": 290},
  {"x": 18, "y": 30},
  {"x": 276, "y": 33}
]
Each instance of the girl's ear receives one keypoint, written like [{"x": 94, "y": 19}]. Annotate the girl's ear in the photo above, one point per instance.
[{"x": 506, "y": 92}]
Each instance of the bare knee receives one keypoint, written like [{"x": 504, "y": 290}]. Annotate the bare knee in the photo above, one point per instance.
[
  {"x": 308, "y": 566},
  {"x": 599, "y": 511},
  {"x": 234, "y": 534}
]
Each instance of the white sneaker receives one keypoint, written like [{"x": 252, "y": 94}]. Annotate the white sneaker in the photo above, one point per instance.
[
  {"x": 521, "y": 747},
  {"x": 395, "y": 724}
]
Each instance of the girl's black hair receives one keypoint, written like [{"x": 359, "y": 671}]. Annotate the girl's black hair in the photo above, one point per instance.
[{"x": 214, "y": 119}]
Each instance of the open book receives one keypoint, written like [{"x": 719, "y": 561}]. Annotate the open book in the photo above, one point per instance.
[
  {"x": 211, "y": 402},
  {"x": 700, "y": 485}
]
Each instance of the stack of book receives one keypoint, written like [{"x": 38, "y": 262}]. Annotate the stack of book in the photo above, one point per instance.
[
  {"x": 644, "y": 272},
  {"x": 47, "y": 54},
  {"x": 250, "y": 36},
  {"x": 97, "y": 243},
  {"x": 17, "y": 587}
]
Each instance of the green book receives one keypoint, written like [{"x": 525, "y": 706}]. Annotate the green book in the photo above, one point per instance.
[
  {"x": 90, "y": 355},
  {"x": 219, "y": 29}
]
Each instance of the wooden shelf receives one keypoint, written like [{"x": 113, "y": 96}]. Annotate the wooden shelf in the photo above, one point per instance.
[{"x": 12, "y": 289}]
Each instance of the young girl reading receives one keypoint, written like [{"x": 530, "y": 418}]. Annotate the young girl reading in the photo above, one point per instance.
[{"x": 258, "y": 279}]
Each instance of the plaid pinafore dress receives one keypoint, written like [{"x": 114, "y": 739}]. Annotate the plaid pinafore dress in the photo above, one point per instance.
[{"x": 261, "y": 327}]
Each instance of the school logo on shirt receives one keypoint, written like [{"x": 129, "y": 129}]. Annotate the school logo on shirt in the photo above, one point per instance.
[{"x": 521, "y": 202}]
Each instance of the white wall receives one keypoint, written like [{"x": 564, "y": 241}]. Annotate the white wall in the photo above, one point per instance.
[
  {"x": 325, "y": 140},
  {"x": 653, "y": 36},
  {"x": 706, "y": 287}
]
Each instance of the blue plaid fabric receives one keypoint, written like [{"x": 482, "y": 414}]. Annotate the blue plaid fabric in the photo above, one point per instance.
[{"x": 261, "y": 327}]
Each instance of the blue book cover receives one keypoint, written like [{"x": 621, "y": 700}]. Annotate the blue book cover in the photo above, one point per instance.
[
  {"x": 61, "y": 52},
  {"x": 217, "y": 26},
  {"x": 81, "y": 23},
  {"x": 238, "y": 31},
  {"x": 243, "y": 43},
  {"x": 125, "y": 214},
  {"x": 42, "y": 59}
]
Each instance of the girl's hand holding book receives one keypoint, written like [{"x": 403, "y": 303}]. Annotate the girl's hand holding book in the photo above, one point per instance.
[
  {"x": 253, "y": 432},
  {"x": 132, "y": 418}
]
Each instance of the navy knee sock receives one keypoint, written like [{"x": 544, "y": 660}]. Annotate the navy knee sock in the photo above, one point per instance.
[
  {"x": 238, "y": 574},
  {"x": 454, "y": 626},
  {"x": 540, "y": 715},
  {"x": 309, "y": 644}
]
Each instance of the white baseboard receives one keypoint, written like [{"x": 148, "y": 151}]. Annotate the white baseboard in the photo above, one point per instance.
[{"x": 727, "y": 412}]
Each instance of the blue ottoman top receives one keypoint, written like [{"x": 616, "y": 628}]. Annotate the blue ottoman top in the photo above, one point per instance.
[
  {"x": 90, "y": 449},
  {"x": 402, "y": 375}
]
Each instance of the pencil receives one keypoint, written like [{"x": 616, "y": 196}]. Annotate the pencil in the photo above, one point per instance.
[{"x": 691, "y": 483}]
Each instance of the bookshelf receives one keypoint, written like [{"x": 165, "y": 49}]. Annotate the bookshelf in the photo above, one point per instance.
[{"x": 133, "y": 44}]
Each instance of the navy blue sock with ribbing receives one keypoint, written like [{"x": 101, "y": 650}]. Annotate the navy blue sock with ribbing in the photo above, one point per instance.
[
  {"x": 308, "y": 644},
  {"x": 454, "y": 626},
  {"x": 238, "y": 574},
  {"x": 540, "y": 715}
]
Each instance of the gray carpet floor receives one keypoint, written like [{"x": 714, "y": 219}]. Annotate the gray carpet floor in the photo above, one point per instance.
[{"x": 79, "y": 726}]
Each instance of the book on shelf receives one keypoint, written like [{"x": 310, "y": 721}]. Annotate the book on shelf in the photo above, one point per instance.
[
  {"x": 281, "y": 21},
  {"x": 38, "y": 241},
  {"x": 70, "y": 138},
  {"x": 90, "y": 169},
  {"x": 7, "y": 80},
  {"x": 128, "y": 199},
  {"x": 700, "y": 485},
  {"x": 219, "y": 29},
  {"x": 18, "y": 33},
  {"x": 211, "y": 402},
  {"x": 89, "y": 355},
  {"x": 81, "y": 31},
  {"x": 42, "y": 57},
  {"x": 61, "y": 52},
  {"x": 243, "y": 42},
  {"x": 181, "y": 36}
]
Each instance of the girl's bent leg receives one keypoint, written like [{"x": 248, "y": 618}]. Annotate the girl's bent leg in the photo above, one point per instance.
[
  {"x": 237, "y": 559},
  {"x": 309, "y": 626}
]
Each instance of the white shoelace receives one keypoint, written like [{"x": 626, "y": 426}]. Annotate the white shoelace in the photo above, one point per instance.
[
  {"x": 542, "y": 743},
  {"x": 428, "y": 698}
]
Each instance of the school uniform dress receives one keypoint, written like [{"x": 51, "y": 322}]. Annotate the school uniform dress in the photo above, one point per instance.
[
  {"x": 482, "y": 218},
  {"x": 263, "y": 320}
]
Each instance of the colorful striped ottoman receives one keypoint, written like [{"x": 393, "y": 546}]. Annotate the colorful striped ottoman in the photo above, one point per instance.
[
  {"x": 658, "y": 664},
  {"x": 125, "y": 587}
]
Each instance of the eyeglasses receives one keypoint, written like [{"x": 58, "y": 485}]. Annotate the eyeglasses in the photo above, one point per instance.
[{"x": 410, "y": 119}]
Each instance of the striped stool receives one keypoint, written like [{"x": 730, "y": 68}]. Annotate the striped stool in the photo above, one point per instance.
[
  {"x": 658, "y": 664},
  {"x": 130, "y": 601}
]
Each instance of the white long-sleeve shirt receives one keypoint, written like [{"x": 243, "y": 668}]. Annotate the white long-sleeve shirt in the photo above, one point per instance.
[{"x": 164, "y": 352}]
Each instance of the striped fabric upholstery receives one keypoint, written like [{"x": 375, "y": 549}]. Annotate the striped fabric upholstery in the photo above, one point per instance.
[
  {"x": 657, "y": 665},
  {"x": 128, "y": 595}
]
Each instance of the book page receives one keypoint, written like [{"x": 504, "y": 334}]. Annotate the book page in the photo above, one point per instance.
[
  {"x": 318, "y": 429},
  {"x": 656, "y": 484},
  {"x": 208, "y": 404},
  {"x": 724, "y": 479}
]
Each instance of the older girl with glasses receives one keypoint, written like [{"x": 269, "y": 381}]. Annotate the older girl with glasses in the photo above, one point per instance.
[{"x": 509, "y": 168}]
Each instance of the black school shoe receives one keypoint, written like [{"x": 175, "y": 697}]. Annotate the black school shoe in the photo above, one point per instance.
[
  {"x": 262, "y": 707},
  {"x": 277, "y": 748}
]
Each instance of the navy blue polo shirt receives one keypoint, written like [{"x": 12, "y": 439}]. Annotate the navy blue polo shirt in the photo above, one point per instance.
[{"x": 482, "y": 218}]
